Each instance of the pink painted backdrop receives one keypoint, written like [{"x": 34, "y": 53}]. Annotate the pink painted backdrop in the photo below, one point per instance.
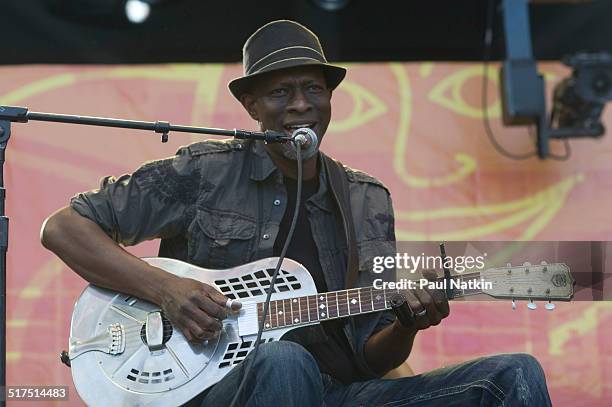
[{"x": 415, "y": 126}]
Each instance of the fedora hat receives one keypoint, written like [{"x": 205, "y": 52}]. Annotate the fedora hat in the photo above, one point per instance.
[{"x": 279, "y": 45}]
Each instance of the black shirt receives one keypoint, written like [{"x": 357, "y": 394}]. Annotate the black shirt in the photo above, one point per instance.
[{"x": 333, "y": 354}]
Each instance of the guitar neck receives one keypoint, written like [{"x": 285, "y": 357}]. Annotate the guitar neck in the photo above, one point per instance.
[{"x": 296, "y": 311}]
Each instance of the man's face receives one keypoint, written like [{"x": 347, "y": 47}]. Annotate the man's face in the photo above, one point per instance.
[{"x": 290, "y": 99}]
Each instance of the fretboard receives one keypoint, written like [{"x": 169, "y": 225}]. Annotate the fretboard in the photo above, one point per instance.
[{"x": 339, "y": 304}]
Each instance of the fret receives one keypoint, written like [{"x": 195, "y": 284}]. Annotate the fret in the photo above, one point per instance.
[
  {"x": 280, "y": 312},
  {"x": 273, "y": 318},
  {"x": 385, "y": 297},
  {"x": 372, "y": 298},
  {"x": 296, "y": 316},
  {"x": 287, "y": 311},
  {"x": 353, "y": 299},
  {"x": 343, "y": 304},
  {"x": 322, "y": 307},
  {"x": 365, "y": 299},
  {"x": 269, "y": 323},
  {"x": 333, "y": 308},
  {"x": 259, "y": 313},
  {"x": 304, "y": 309},
  {"x": 378, "y": 300},
  {"x": 312, "y": 308}
]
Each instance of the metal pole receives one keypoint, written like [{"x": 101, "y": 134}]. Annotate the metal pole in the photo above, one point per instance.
[{"x": 5, "y": 133}]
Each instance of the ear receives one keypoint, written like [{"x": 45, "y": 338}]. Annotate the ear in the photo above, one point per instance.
[{"x": 249, "y": 103}]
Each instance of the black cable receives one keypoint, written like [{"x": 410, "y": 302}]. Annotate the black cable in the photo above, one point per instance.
[
  {"x": 568, "y": 150},
  {"x": 564, "y": 157},
  {"x": 249, "y": 363},
  {"x": 488, "y": 39}
]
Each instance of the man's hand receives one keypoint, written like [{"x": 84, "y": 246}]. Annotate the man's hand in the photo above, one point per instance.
[
  {"x": 429, "y": 306},
  {"x": 195, "y": 308}
]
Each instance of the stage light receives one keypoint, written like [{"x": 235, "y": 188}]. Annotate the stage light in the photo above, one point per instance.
[
  {"x": 137, "y": 11},
  {"x": 106, "y": 12},
  {"x": 331, "y": 5},
  {"x": 580, "y": 99}
]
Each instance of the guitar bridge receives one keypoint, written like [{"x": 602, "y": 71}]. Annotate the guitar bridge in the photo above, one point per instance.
[{"x": 112, "y": 342}]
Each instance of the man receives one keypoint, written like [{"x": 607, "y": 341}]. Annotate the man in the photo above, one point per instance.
[{"x": 221, "y": 204}]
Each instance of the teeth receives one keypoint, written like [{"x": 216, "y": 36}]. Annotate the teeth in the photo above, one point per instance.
[{"x": 299, "y": 126}]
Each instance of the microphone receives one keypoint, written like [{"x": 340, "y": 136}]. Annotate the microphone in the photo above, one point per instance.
[{"x": 308, "y": 141}]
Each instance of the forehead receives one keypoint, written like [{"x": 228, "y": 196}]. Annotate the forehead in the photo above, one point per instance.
[{"x": 294, "y": 74}]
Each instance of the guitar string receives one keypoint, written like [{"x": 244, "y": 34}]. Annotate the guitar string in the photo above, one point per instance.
[{"x": 312, "y": 308}]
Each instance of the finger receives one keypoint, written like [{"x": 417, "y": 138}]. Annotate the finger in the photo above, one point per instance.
[
  {"x": 197, "y": 334},
  {"x": 433, "y": 316},
  {"x": 209, "y": 323},
  {"x": 415, "y": 305},
  {"x": 439, "y": 296},
  {"x": 216, "y": 296},
  {"x": 430, "y": 275},
  {"x": 209, "y": 306},
  {"x": 203, "y": 319},
  {"x": 440, "y": 301}
]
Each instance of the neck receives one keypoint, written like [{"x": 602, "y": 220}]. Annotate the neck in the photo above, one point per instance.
[{"x": 305, "y": 310}]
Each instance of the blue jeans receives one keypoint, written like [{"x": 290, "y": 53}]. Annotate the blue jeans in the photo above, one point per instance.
[{"x": 285, "y": 374}]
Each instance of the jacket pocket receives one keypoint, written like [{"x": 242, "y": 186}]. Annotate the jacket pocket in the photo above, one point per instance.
[{"x": 220, "y": 239}]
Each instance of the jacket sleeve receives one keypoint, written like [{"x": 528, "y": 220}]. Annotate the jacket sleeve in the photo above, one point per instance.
[
  {"x": 150, "y": 203},
  {"x": 381, "y": 215}
]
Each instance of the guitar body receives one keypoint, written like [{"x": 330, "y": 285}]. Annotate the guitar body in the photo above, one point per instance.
[{"x": 115, "y": 362}]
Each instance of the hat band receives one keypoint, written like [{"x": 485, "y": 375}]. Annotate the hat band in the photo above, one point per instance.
[
  {"x": 262, "y": 69},
  {"x": 290, "y": 52}
]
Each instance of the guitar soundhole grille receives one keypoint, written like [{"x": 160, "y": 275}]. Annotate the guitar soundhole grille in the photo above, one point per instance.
[
  {"x": 150, "y": 377},
  {"x": 257, "y": 283},
  {"x": 237, "y": 351},
  {"x": 167, "y": 329}
]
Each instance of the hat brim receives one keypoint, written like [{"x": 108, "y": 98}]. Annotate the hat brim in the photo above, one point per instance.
[{"x": 333, "y": 75}]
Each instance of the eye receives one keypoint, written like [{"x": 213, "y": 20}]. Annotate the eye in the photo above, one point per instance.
[
  {"x": 278, "y": 92},
  {"x": 315, "y": 88}
]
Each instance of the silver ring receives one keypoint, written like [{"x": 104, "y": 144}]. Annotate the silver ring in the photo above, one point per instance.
[
  {"x": 230, "y": 303},
  {"x": 420, "y": 313}
]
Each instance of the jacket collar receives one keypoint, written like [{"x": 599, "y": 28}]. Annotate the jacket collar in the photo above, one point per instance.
[{"x": 262, "y": 167}]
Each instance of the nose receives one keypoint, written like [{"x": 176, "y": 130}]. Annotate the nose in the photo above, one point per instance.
[{"x": 299, "y": 103}]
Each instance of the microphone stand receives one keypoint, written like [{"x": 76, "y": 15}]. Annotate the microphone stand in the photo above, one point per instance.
[{"x": 16, "y": 114}]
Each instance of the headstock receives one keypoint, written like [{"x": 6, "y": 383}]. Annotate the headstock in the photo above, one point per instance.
[{"x": 547, "y": 282}]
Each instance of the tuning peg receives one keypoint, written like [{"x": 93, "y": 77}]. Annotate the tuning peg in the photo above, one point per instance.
[
  {"x": 508, "y": 264},
  {"x": 532, "y": 305},
  {"x": 550, "y": 306},
  {"x": 543, "y": 263},
  {"x": 513, "y": 304},
  {"x": 526, "y": 264}
]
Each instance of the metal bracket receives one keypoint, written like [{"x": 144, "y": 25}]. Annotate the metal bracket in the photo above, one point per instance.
[{"x": 112, "y": 342}]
